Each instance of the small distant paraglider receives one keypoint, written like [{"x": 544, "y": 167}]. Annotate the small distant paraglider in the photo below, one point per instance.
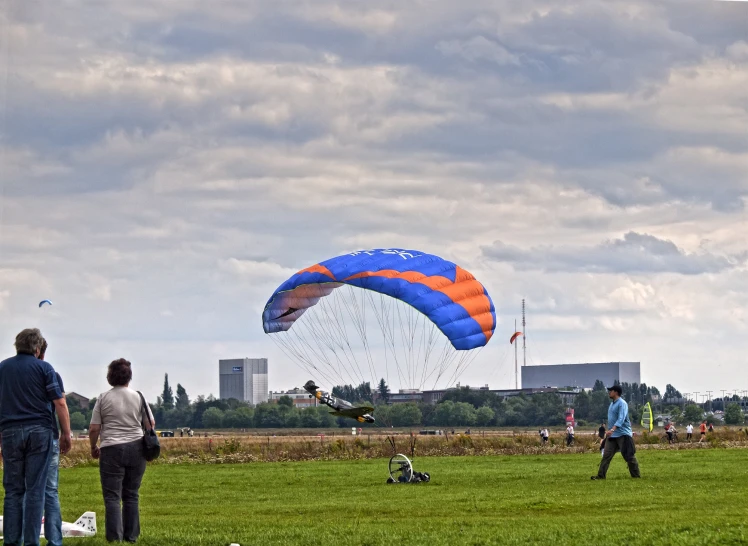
[
  {"x": 515, "y": 335},
  {"x": 43, "y": 302}
]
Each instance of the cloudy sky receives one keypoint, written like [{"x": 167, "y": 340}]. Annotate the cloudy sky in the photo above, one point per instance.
[{"x": 164, "y": 166}]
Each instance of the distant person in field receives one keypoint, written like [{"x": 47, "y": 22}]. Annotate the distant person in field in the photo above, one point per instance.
[
  {"x": 119, "y": 417},
  {"x": 689, "y": 432},
  {"x": 52, "y": 514},
  {"x": 669, "y": 432},
  {"x": 618, "y": 436},
  {"x": 711, "y": 427},
  {"x": 569, "y": 435},
  {"x": 702, "y": 430},
  {"x": 601, "y": 436},
  {"x": 28, "y": 389}
]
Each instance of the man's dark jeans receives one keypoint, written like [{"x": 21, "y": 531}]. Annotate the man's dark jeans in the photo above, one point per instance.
[
  {"x": 27, "y": 451},
  {"x": 121, "y": 468},
  {"x": 52, "y": 515},
  {"x": 624, "y": 444}
]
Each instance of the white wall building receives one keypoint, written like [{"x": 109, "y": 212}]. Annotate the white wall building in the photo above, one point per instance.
[{"x": 300, "y": 398}]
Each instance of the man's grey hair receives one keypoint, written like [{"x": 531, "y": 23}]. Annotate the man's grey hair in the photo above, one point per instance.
[{"x": 29, "y": 341}]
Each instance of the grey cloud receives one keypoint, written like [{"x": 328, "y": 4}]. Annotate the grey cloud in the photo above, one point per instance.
[
  {"x": 478, "y": 49},
  {"x": 635, "y": 253},
  {"x": 153, "y": 144}
]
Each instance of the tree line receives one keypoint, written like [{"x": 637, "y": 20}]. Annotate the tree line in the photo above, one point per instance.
[{"x": 463, "y": 407}]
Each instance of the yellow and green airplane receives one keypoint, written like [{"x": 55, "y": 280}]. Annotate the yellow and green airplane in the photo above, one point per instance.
[{"x": 343, "y": 408}]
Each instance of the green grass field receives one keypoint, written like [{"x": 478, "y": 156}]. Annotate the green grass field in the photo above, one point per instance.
[{"x": 684, "y": 497}]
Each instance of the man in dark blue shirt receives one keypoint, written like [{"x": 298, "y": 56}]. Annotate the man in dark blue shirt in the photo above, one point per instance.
[
  {"x": 27, "y": 387},
  {"x": 52, "y": 513}
]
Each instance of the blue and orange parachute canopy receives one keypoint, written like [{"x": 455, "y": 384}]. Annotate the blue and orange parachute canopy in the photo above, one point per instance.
[{"x": 449, "y": 296}]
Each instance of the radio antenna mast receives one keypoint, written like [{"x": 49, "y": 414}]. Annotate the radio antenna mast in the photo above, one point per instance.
[{"x": 524, "y": 336}]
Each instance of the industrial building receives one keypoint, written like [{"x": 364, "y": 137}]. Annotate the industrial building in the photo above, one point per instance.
[
  {"x": 245, "y": 379},
  {"x": 582, "y": 376},
  {"x": 404, "y": 396},
  {"x": 299, "y": 397},
  {"x": 567, "y": 395}
]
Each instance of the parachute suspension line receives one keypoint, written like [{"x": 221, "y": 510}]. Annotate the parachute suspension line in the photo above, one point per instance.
[
  {"x": 332, "y": 312},
  {"x": 446, "y": 357},
  {"x": 338, "y": 336},
  {"x": 358, "y": 316},
  {"x": 324, "y": 338},
  {"x": 298, "y": 358},
  {"x": 321, "y": 357},
  {"x": 465, "y": 361},
  {"x": 404, "y": 345},
  {"x": 284, "y": 343},
  {"x": 429, "y": 346},
  {"x": 387, "y": 330}
]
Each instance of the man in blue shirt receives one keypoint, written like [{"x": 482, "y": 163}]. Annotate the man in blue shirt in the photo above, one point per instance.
[
  {"x": 619, "y": 436},
  {"x": 52, "y": 513},
  {"x": 27, "y": 387}
]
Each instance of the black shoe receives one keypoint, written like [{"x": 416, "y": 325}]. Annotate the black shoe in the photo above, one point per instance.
[{"x": 596, "y": 478}]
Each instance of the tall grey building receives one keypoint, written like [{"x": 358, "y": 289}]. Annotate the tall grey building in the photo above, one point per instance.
[
  {"x": 580, "y": 375},
  {"x": 244, "y": 379}
]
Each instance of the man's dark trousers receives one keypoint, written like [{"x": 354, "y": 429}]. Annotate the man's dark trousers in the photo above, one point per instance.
[{"x": 624, "y": 444}]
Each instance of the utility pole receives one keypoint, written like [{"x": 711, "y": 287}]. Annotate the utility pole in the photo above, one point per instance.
[
  {"x": 724, "y": 406},
  {"x": 709, "y": 394},
  {"x": 516, "y": 376},
  {"x": 524, "y": 336}
]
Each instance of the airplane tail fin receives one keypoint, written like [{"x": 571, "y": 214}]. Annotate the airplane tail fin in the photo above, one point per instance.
[{"x": 87, "y": 522}]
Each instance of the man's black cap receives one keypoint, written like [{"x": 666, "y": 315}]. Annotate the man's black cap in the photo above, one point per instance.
[{"x": 616, "y": 388}]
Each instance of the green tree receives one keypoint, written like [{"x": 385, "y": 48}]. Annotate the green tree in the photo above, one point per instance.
[
  {"x": 326, "y": 419},
  {"x": 244, "y": 417},
  {"x": 384, "y": 391},
  {"x": 183, "y": 401},
  {"x": 693, "y": 414},
  {"x": 309, "y": 418},
  {"x": 582, "y": 405},
  {"x": 405, "y": 415},
  {"x": 599, "y": 403},
  {"x": 77, "y": 421},
  {"x": 516, "y": 412},
  {"x": 733, "y": 414},
  {"x": 73, "y": 404},
  {"x": 269, "y": 416},
  {"x": 167, "y": 397},
  {"x": 213, "y": 418},
  {"x": 285, "y": 401},
  {"x": 92, "y": 403},
  {"x": 671, "y": 393},
  {"x": 291, "y": 418},
  {"x": 230, "y": 419},
  {"x": 484, "y": 416}
]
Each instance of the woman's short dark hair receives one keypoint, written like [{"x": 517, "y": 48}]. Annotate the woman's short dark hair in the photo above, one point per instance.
[{"x": 120, "y": 373}]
